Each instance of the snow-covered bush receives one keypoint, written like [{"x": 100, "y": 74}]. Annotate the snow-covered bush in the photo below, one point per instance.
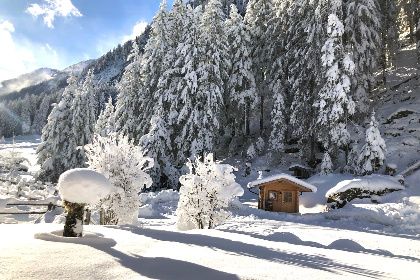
[
  {"x": 158, "y": 203},
  {"x": 205, "y": 194},
  {"x": 124, "y": 165},
  {"x": 372, "y": 155},
  {"x": 15, "y": 186},
  {"x": 259, "y": 146},
  {"x": 77, "y": 188},
  {"x": 365, "y": 187},
  {"x": 251, "y": 153}
]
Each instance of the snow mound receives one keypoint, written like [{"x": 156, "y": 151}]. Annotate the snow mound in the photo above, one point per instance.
[
  {"x": 82, "y": 185},
  {"x": 373, "y": 183}
]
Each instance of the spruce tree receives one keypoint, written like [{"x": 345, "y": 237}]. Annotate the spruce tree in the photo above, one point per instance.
[
  {"x": 106, "y": 120},
  {"x": 258, "y": 16},
  {"x": 372, "y": 154},
  {"x": 241, "y": 97},
  {"x": 362, "y": 27},
  {"x": 153, "y": 67},
  {"x": 333, "y": 102},
  {"x": 84, "y": 119},
  {"x": 190, "y": 53},
  {"x": 58, "y": 143},
  {"x": 304, "y": 40},
  {"x": 129, "y": 103}
]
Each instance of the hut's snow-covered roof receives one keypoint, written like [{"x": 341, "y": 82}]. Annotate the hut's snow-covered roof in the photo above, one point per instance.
[
  {"x": 293, "y": 166},
  {"x": 277, "y": 177}
]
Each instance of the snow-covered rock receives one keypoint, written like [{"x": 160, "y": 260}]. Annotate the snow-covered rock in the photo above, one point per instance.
[{"x": 372, "y": 183}]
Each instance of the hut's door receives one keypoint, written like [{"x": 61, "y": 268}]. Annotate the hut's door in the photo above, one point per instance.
[{"x": 289, "y": 201}]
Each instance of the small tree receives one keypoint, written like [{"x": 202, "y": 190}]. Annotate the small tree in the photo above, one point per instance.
[
  {"x": 124, "y": 165},
  {"x": 205, "y": 194},
  {"x": 326, "y": 165},
  {"x": 372, "y": 155}
]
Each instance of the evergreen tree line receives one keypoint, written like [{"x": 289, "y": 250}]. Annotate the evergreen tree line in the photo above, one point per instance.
[
  {"x": 299, "y": 69},
  {"x": 25, "y": 115}
]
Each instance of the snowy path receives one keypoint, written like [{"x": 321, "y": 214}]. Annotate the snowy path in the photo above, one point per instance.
[{"x": 242, "y": 250}]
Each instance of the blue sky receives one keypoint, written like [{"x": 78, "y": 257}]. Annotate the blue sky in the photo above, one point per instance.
[{"x": 59, "y": 33}]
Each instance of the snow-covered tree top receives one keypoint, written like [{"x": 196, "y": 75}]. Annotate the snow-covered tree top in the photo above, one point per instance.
[
  {"x": 281, "y": 176},
  {"x": 82, "y": 185},
  {"x": 373, "y": 183}
]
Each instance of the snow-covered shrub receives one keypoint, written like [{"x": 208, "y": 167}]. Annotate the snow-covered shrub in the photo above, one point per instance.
[
  {"x": 259, "y": 146},
  {"x": 16, "y": 186},
  {"x": 251, "y": 153},
  {"x": 79, "y": 187},
  {"x": 255, "y": 149},
  {"x": 366, "y": 187},
  {"x": 352, "y": 160},
  {"x": 372, "y": 155},
  {"x": 205, "y": 194},
  {"x": 158, "y": 203},
  {"x": 124, "y": 165}
]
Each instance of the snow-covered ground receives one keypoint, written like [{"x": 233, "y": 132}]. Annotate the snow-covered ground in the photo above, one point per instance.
[{"x": 362, "y": 240}]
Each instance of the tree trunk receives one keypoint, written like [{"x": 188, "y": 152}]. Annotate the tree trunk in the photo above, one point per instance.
[
  {"x": 73, "y": 226},
  {"x": 262, "y": 113},
  {"x": 247, "y": 118}
]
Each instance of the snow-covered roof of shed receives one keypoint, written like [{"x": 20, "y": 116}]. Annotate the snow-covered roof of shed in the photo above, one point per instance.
[
  {"x": 295, "y": 180},
  {"x": 300, "y": 166},
  {"x": 373, "y": 183}
]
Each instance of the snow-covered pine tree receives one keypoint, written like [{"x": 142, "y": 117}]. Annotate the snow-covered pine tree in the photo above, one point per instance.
[
  {"x": 389, "y": 34},
  {"x": 41, "y": 115},
  {"x": 363, "y": 41},
  {"x": 25, "y": 116},
  {"x": 128, "y": 112},
  {"x": 205, "y": 194},
  {"x": 258, "y": 15},
  {"x": 333, "y": 102},
  {"x": 279, "y": 73},
  {"x": 106, "y": 120},
  {"x": 203, "y": 57},
  {"x": 241, "y": 98},
  {"x": 418, "y": 49},
  {"x": 183, "y": 111},
  {"x": 373, "y": 153},
  {"x": 305, "y": 38},
  {"x": 124, "y": 165},
  {"x": 58, "y": 142},
  {"x": 326, "y": 164},
  {"x": 214, "y": 69},
  {"x": 84, "y": 119},
  {"x": 157, "y": 143},
  {"x": 152, "y": 66}
]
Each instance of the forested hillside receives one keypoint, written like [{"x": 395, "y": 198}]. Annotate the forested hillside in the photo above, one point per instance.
[{"x": 210, "y": 77}]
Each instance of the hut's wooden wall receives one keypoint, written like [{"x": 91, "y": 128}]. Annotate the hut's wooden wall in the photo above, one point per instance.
[{"x": 283, "y": 189}]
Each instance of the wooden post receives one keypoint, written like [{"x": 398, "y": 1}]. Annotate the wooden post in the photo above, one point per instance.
[{"x": 88, "y": 216}]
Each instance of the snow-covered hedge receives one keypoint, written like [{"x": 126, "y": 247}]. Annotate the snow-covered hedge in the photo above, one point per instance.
[{"x": 364, "y": 187}]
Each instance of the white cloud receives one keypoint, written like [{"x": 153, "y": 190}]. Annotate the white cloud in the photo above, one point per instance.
[
  {"x": 138, "y": 29},
  {"x": 53, "y": 8},
  {"x": 17, "y": 58},
  {"x": 13, "y": 59}
]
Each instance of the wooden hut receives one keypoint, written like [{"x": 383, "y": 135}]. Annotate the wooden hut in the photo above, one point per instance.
[
  {"x": 300, "y": 171},
  {"x": 280, "y": 193}
]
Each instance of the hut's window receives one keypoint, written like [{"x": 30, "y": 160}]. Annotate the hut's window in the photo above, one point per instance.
[
  {"x": 287, "y": 197},
  {"x": 272, "y": 195}
]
